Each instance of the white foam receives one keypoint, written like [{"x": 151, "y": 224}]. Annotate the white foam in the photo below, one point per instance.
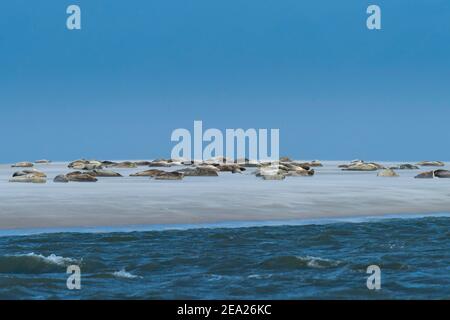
[
  {"x": 51, "y": 259},
  {"x": 317, "y": 262},
  {"x": 124, "y": 274}
]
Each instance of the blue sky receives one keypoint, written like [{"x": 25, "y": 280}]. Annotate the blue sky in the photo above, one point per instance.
[{"x": 139, "y": 69}]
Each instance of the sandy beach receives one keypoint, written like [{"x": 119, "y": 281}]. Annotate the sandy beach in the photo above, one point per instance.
[{"x": 330, "y": 193}]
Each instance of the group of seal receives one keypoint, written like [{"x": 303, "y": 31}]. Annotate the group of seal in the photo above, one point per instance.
[
  {"x": 434, "y": 173},
  {"x": 360, "y": 165},
  {"x": 91, "y": 170},
  {"x": 29, "y": 176}
]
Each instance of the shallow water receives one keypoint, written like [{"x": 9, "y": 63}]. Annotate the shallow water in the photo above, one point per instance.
[{"x": 278, "y": 262}]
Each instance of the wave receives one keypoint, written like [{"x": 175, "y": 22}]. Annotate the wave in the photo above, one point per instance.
[
  {"x": 124, "y": 274},
  {"x": 52, "y": 258},
  {"x": 294, "y": 262},
  {"x": 34, "y": 263}
]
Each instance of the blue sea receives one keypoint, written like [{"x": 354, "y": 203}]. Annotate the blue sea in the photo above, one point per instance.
[{"x": 317, "y": 261}]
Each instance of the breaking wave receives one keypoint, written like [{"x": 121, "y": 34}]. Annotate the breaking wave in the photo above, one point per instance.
[{"x": 34, "y": 263}]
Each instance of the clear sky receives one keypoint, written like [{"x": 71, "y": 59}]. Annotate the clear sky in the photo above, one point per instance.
[{"x": 139, "y": 69}]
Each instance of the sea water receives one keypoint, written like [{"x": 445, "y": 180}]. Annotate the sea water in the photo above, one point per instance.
[{"x": 316, "y": 261}]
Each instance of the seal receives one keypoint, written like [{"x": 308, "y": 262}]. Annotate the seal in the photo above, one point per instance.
[
  {"x": 29, "y": 178},
  {"x": 147, "y": 173},
  {"x": 22, "y": 165},
  {"x": 78, "y": 176},
  {"x": 201, "y": 171},
  {"x": 33, "y": 172},
  {"x": 442, "y": 173},
  {"x": 431, "y": 164},
  {"x": 387, "y": 173},
  {"x": 43, "y": 161},
  {"x": 425, "y": 175},
  {"x": 124, "y": 165},
  {"x": 361, "y": 167},
  {"x": 169, "y": 176},
  {"x": 61, "y": 178},
  {"x": 103, "y": 173},
  {"x": 85, "y": 165}
]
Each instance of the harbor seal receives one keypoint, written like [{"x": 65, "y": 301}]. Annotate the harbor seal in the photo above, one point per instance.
[
  {"x": 30, "y": 178},
  {"x": 43, "y": 161},
  {"x": 361, "y": 167},
  {"x": 160, "y": 163},
  {"x": 33, "y": 172},
  {"x": 405, "y": 166},
  {"x": 80, "y": 177},
  {"x": 103, "y": 173},
  {"x": 425, "y": 175},
  {"x": 274, "y": 177},
  {"x": 387, "y": 173},
  {"x": 22, "y": 165},
  {"x": 124, "y": 165},
  {"x": 431, "y": 164},
  {"x": 203, "y": 171},
  {"x": 169, "y": 176},
  {"x": 147, "y": 173},
  {"x": 85, "y": 165},
  {"x": 442, "y": 173},
  {"x": 61, "y": 178}
]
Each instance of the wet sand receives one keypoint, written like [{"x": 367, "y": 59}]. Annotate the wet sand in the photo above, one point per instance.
[{"x": 331, "y": 193}]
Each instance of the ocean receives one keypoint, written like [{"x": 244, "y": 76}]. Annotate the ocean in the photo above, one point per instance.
[{"x": 315, "y": 261}]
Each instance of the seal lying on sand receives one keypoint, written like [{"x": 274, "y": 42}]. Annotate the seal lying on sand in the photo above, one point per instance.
[
  {"x": 61, "y": 178},
  {"x": 273, "y": 171},
  {"x": 246, "y": 163},
  {"x": 169, "y": 176},
  {"x": 85, "y": 165},
  {"x": 300, "y": 172},
  {"x": 161, "y": 163},
  {"x": 314, "y": 163},
  {"x": 33, "y": 172},
  {"x": 219, "y": 160},
  {"x": 361, "y": 167},
  {"x": 431, "y": 174},
  {"x": 107, "y": 163},
  {"x": 442, "y": 173},
  {"x": 274, "y": 177},
  {"x": 22, "y": 165},
  {"x": 124, "y": 165},
  {"x": 425, "y": 175},
  {"x": 76, "y": 176},
  {"x": 29, "y": 178},
  {"x": 147, "y": 173},
  {"x": 405, "y": 166},
  {"x": 80, "y": 177},
  {"x": 387, "y": 173},
  {"x": 142, "y": 163},
  {"x": 431, "y": 164},
  {"x": 231, "y": 167},
  {"x": 43, "y": 161},
  {"x": 103, "y": 173},
  {"x": 200, "y": 171}
]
